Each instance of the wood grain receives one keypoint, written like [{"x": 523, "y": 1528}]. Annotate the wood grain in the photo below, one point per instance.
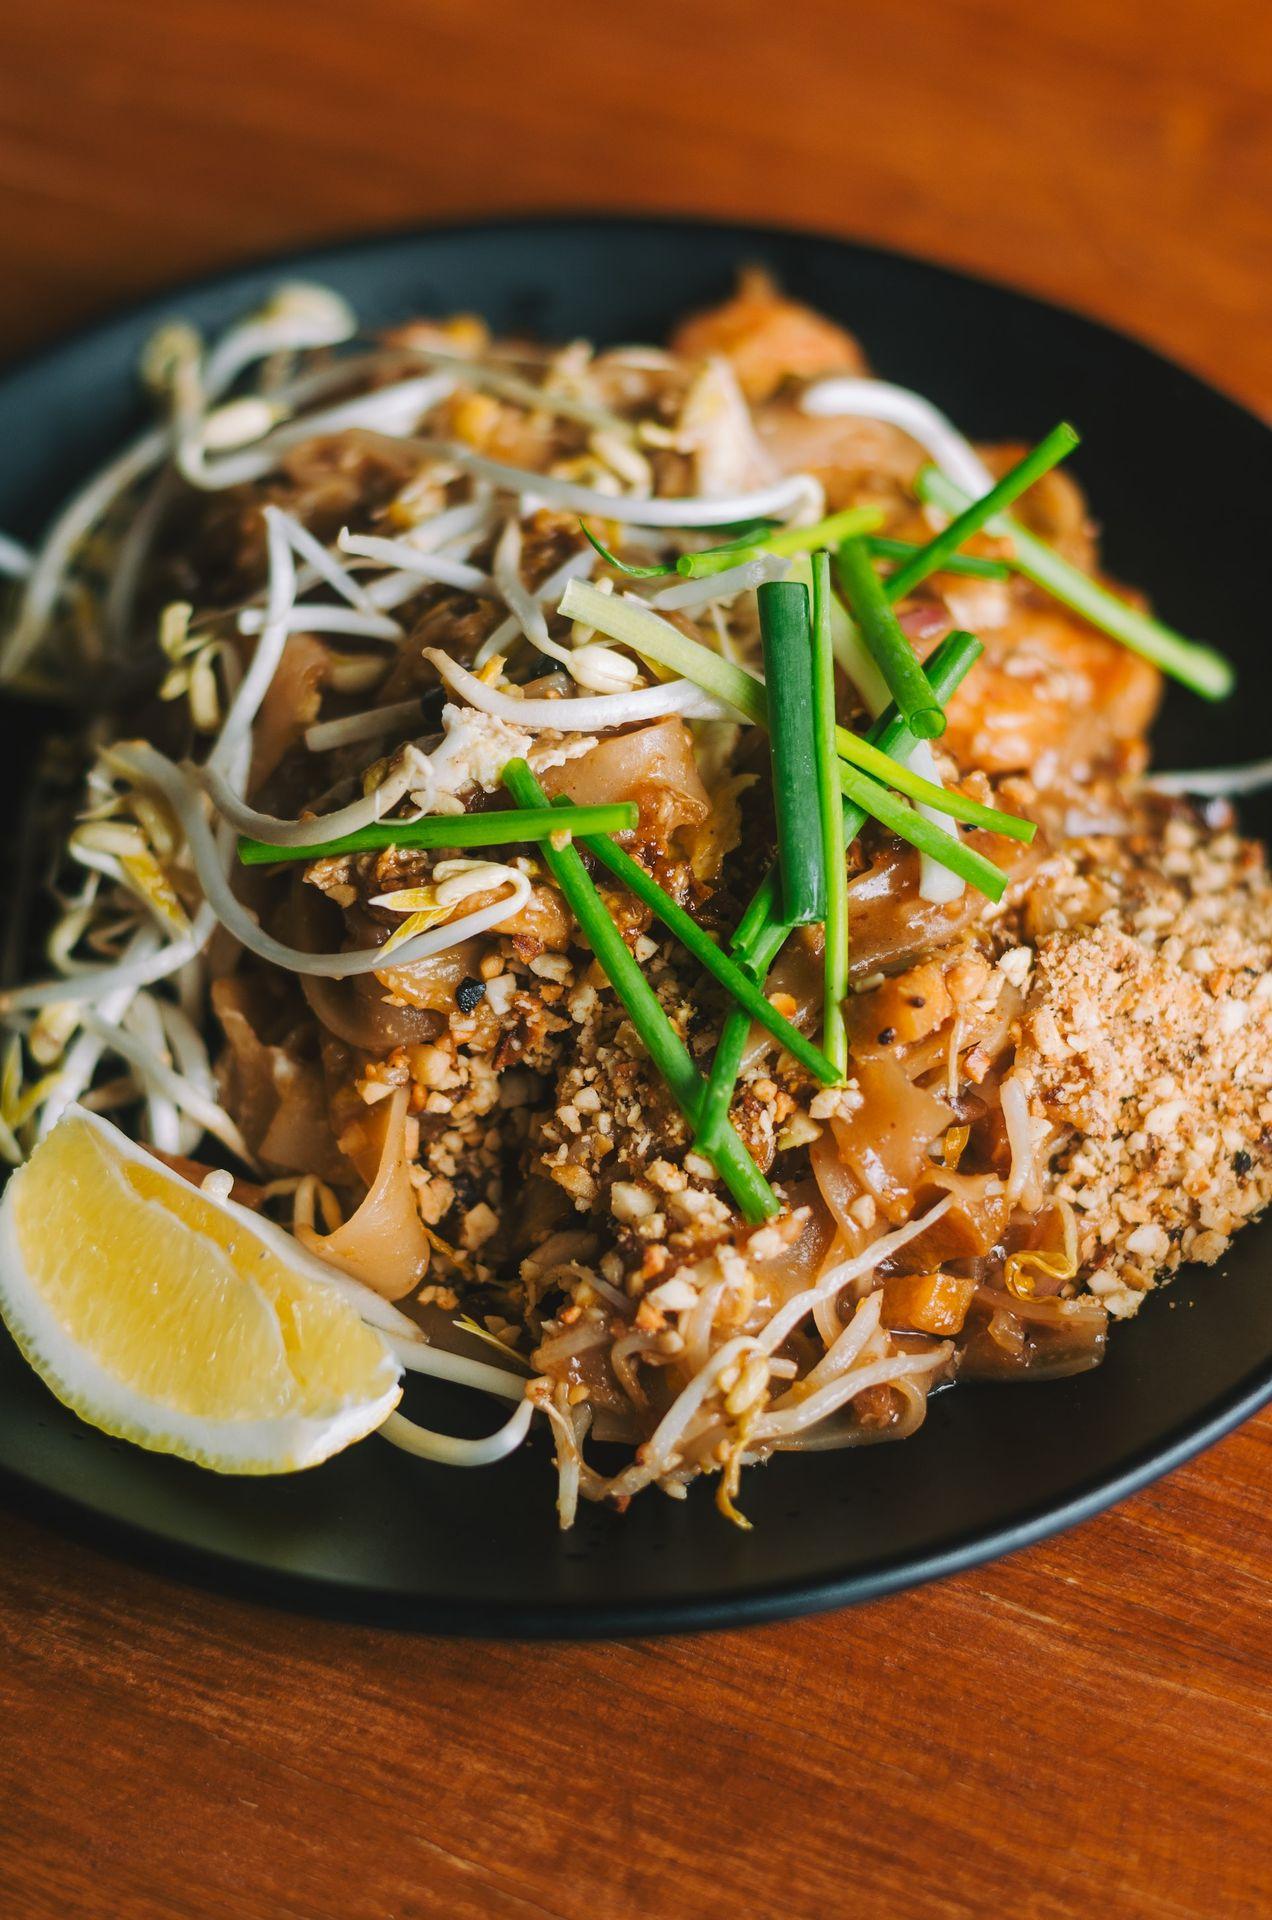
[
  {"x": 1082, "y": 1729},
  {"x": 1117, "y": 157}
]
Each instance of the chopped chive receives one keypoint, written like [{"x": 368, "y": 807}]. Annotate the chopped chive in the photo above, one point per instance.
[
  {"x": 1048, "y": 453},
  {"x": 823, "y": 533},
  {"x": 741, "y": 545},
  {"x": 507, "y": 828},
  {"x": 751, "y": 544},
  {"x": 759, "y": 938},
  {"x": 830, "y": 807},
  {"x": 851, "y": 652},
  {"x": 971, "y": 564},
  {"x": 766, "y": 945},
  {"x": 704, "y": 949},
  {"x": 612, "y": 559},
  {"x": 713, "y": 560},
  {"x": 889, "y": 648},
  {"x": 757, "y": 918},
  {"x": 884, "y": 770},
  {"x": 909, "y": 824},
  {"x": 727, "y": 1061},
  {"x": 947, "y": 667},
  {"x": 786, "y": 637},
  {"x": 782, "y": 542},
  {"x": 666, "y": 1049},
  {"x": 657, "y": 640},
  {"x": 744, "y": 533},
  {"x": 1191, "y": 662}
]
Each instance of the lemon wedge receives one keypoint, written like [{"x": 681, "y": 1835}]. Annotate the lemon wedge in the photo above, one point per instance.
[{"x": 179, "y": 1321}]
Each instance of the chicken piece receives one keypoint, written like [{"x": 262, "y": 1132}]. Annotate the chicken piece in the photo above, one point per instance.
[
  {"x": 1054, "y": 507},
  {"x": 767, "y": 339},
  {"x": 1050, "y": 693}
]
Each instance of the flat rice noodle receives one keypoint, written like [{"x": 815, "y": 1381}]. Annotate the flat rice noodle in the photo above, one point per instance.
[
  {"x": 653, "y": 765},
  {"x": 292, "y": 701},
  {"x": 839, "y": 1188},
  {"x": 1012, "y": 1339},
  {"x": 431, "y": 985},
  {"x": 796, "y": 1266},
  {"x": 892, "y": 927},
  {"x": 277, "y": 1098},
  {"x": 970, "y": 1228},
  {"x": 796, "y": 974},
  {"x": 886, "y": 1141},
  {"x": 358, "y": 1010},
  {"x": 384, "y": 1242},
  {"x": 581, "y": 1357}
]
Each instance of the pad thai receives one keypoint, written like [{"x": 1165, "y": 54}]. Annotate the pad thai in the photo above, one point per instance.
[{"x": 639, "y": 866}]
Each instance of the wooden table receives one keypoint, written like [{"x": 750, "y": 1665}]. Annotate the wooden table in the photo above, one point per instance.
[{"x": 1081, "y": 1730}]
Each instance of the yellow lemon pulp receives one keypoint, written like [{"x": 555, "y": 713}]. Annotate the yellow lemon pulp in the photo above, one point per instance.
[{"x": 168, "y": 1318}]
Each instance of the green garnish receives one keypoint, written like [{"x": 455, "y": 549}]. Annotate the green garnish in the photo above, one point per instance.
[
  {"x": 508, "y": 828},
  {"x": 647, "y": 633},
  {"x": 883, "y": 770},
  {"x": 704, "y": 949},
  {"x": 908, "y": 824},
  {"x": 1196, "y": 665},
  {"x": 612, "y": 559},
  {"x": 759, "y": 938},
  {"x": 948, "y": 666},
  {"x": 656, "y": 639},
  {"x": 830, "y": 807},
  {"x": 757, "y": 956},
  {"x": 758, "y": 916},
  {"x": 891, "y": 651},
  {"x": 752, "y": 544},
  {"x": 977, "y": 514},
  {"x": 786, "y": 635},
  {"x": 970, "y": 564},
  {"x": 666, "y": 1049},
  {"x": 823, "y": 533}
]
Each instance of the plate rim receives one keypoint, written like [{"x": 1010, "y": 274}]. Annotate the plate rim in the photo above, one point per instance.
[
  {"x": 456, "y": 1617},
  {"x": 352, "y": 240},
  {"x": 453, "y": 1615}
]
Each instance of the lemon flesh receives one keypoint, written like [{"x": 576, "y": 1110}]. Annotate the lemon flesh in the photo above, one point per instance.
[{"x": 176, "y": 1321}]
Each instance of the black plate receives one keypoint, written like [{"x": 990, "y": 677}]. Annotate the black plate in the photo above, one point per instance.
[{"x": 1181, "y": 475}]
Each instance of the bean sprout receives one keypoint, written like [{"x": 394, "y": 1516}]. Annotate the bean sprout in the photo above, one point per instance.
[
  {"x": 594, "y": 715},
  {"x": 782, "y": 496},
  {"x": 881, "y": 400},
  {"x": 452, "y": 1452},
  {"x": 148, "y": 764}
]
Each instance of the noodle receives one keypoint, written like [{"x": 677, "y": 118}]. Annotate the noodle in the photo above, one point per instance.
[{"x": 443, "y": 1073}]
